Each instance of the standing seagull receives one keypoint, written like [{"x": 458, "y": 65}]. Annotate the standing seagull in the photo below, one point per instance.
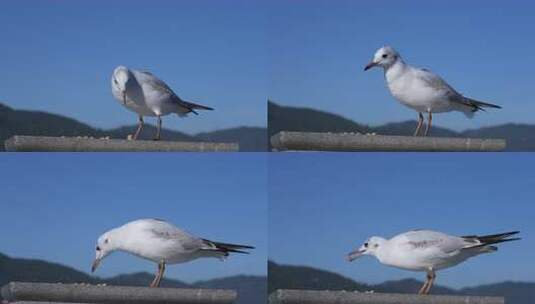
[
  {"x": 160, "y": 242},
  {"x": 422, "y": 90},
  {"x": 429, "y": 251},
  {"x": 147, "y": 95}
]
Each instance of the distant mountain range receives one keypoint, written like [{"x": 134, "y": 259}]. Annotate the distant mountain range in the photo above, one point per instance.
[
  {"x": 251, "y": 289},
  {"x": 520, "y": 137},
  {"x": 21, "y": 122},
  {"x": 302, "y": 277}
]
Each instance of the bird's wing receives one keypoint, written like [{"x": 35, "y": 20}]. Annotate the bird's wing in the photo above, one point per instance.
[
  {"x": 432, "y": 240},
  {"x": 166, "y": 231},
  {"x": 156, "y": 83},
  {"x": 437, "y": 83},
  {"x": 485, "y": 240}
]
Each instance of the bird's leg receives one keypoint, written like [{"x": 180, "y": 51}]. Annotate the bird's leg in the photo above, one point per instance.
[
  {"x": 428, "y": 126},
  {"x": 424, "y": 287},
  {"x": 139, "y": 127},
  {"x": 159, "y": 129},
  {"x": 431, "y": 278},
  {"x": 159, "y": 275},
  {"x": 420, "y": 121},
  {"x": 162, "y": 269},
  {"x": 153, "y": 284}
]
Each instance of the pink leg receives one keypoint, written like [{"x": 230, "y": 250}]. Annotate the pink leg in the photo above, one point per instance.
[{"x": 419, "y": 126}]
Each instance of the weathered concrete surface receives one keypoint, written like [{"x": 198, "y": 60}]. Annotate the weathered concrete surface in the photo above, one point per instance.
[
  {"x": 349, "y": 297},
  {"x": 20, "y": 143},
  {"x": 315, "y": 141},
  {"x": 81, "y": 293},
  {"x": 37, "y": 302}
]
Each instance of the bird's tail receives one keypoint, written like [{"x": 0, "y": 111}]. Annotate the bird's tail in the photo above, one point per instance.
[
  {"x": 226, "y": 248},
  {"x": 476, "y": 105},
  {"x": 194, "y": 106},
  {"x": 486, "y": 240}
]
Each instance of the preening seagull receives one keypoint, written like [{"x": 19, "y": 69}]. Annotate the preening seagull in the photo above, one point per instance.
[
  {"x": 160, "y": 242},
  {"x": 145, "y": 94},
  {"x": 429, "y": 251},
  {"x": 422, "y": 90}
]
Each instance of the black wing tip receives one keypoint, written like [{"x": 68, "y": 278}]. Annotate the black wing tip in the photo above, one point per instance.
[
  {"x": 238, "y": 251},
  {"x": 507, "y": 234},
  {"x": 490, "y": 236},
  {"x": 228, "y": 245},
  {"x": 505, "y": 240},
  {"x": 242, "y": 246}
]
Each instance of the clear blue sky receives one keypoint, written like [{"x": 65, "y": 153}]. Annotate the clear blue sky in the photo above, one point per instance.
[
  {"x": 54, "y": 206},
  {"x": 323, "y": 205},
  {"x": 58, "y": 56},
  {"x": 318, "y": 50}
]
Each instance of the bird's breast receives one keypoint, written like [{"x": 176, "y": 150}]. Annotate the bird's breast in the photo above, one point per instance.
[
  {"x": 132, "y": 100},
  {"x": 418, "y": 96}
]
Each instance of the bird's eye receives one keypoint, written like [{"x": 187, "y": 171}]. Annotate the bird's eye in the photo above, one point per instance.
[
  {"x": 115, "y": 81},
  {"x": 385, "y": 55},
  {"x": 98, "y": 248},
  {"x": 375, "y": 245},
  {"x": 106, "y": 241},
  {"x": 366, "y": 245}
]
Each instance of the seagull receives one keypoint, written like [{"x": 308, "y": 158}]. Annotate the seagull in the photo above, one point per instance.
[
  {"x": 421, "y": 89},
  {"x": 161, "y": 242},
  {"x": 145, "y": 94},
  {"x": 428, "y": 251}
]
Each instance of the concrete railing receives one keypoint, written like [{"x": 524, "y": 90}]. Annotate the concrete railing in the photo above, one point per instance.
[
  {"x": 315, "y": 141},
  {"x": 349, "y": 297},
  {"x": 20, "y": 143},
  {"x": 18, "y": 292}
]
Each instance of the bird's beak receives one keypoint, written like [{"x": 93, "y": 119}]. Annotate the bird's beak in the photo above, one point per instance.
[
  {"x": 96, "y": 262},
  {"x": 370, "y": 65},
  {"x": 355, "y": 254}
]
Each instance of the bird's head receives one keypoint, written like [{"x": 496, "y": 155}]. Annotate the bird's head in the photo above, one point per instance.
[
  {"x": 105, "y": 246},
  {"x": 385, "y": 57},
  {"x": 370, "y": 247},
  {"x": 120, "y": 77}
]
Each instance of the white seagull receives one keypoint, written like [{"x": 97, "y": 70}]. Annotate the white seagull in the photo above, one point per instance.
[
  {"x": 160, "y": 242},
  {"x": 422, "y": 90},
  {"x": 429, "y": 251},
  {"x": 145, "y": 94}
]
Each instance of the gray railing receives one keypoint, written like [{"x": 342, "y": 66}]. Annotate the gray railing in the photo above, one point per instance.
[
  {"x": 316, "y": 141},
  {"x": 21, "y": 143},
  {"x": 349, "y": 297},
  {"x": 18, "y": 292}
]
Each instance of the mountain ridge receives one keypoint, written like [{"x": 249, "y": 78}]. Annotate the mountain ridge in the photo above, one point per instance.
[
  {"x": 251, "y": 288},
  {"x": 520, "y": 137},
  {"x": 305, "y": 277},
  {"x": 26, "y": 122}
]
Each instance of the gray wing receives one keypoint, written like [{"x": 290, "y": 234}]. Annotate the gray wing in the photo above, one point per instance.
[
  {"x": 163, "y": 230},
  {"x": 157, "y": 84},
  {"x": 154, "y": 82},
  {"x": 429, "y": 240},
  {"x": 436, "y": 82}
]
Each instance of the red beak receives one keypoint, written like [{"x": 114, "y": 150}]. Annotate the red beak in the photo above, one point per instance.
[{"x": 370, "y": 65}]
